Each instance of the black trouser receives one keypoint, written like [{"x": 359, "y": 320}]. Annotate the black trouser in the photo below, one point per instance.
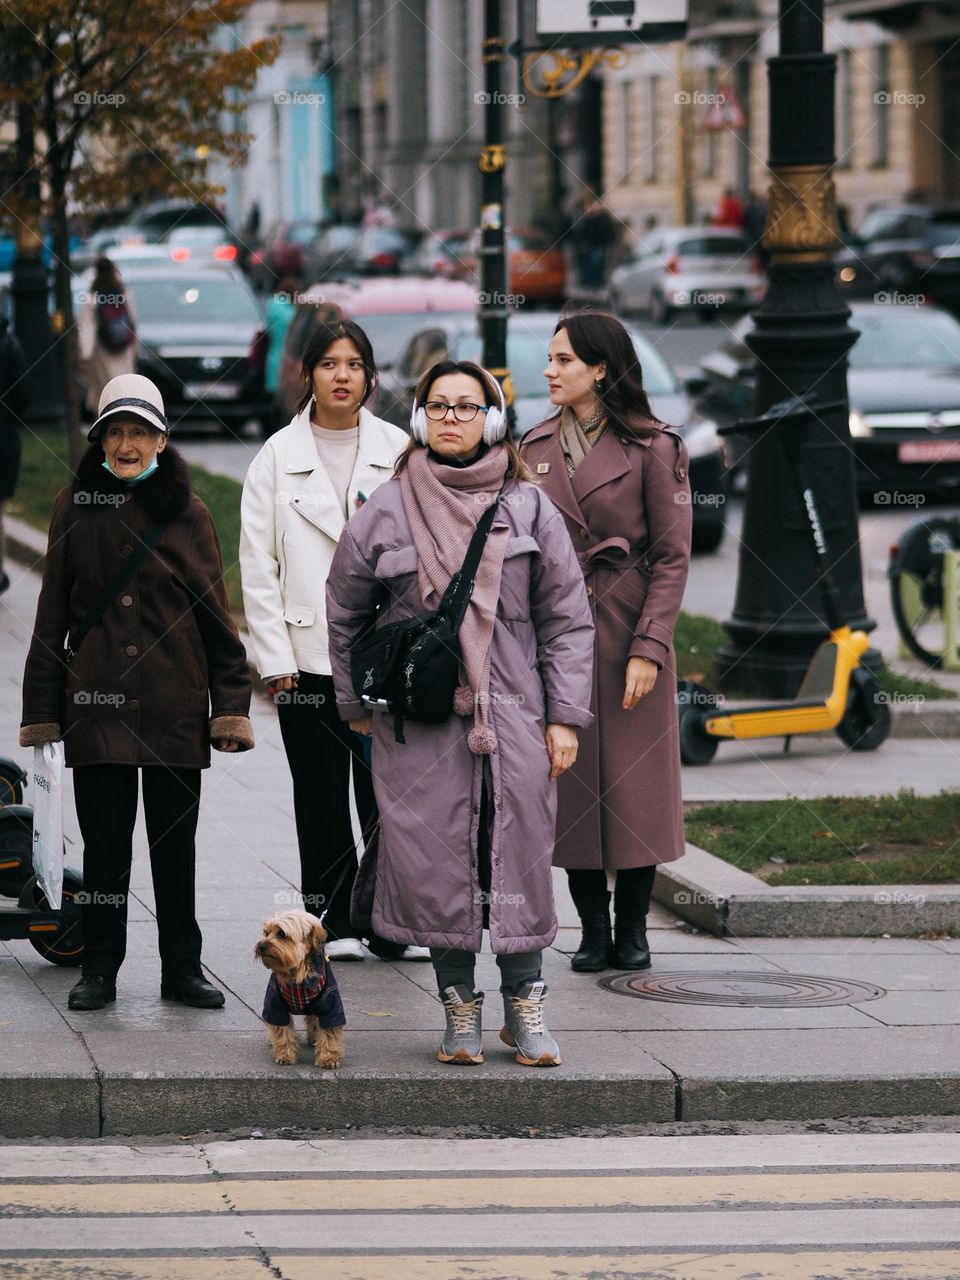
[
  {"x": 106, "y": 799},
  {"x": 320, "y": 749},
  {"x": 631, "y": 898}
]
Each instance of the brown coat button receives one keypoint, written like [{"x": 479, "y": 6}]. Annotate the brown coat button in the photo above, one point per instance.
[
  {"x": 131, "y": 651},
  {"x": 133, "y": 705},
  {"x": 126, "y": 601},
  {"x": 126, "y": 549},
  {"x": 589, "y": 591},
  {"x": 584, "y": 533}
]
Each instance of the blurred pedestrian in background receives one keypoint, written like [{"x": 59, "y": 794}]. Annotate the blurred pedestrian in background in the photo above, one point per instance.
[
  {"x": 136, "y": 664},
  {"x": 107, "y": 327},
  {"x": 278, "y": 314},
  {"x": 620, "y": 478}
]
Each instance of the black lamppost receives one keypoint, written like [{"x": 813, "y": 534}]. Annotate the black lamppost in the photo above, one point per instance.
[
  {"x": 801, "y": 339},
  {"x": 493, "y": 263}
]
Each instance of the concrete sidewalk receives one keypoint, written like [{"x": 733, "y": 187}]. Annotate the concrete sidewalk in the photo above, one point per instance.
[{"x": 144, "y": 1067}]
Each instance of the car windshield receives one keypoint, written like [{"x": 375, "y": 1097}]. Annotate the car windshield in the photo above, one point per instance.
[
  {"x": 175, "y": 301},
  {"x": 390, "y": 331},
  {"x": 924, "y": 339},
  {"x": 712, "y": 247}
]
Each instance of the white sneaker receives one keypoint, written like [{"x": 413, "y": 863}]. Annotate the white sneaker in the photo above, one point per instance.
[
  {"x": 344, "y": 949},
  {"x": 414, "y": 953}
]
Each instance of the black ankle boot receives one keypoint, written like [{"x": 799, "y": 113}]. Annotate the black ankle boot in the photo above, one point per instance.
[
  {"x": 630, "y": 950},
  {"x": 596, "y": 944}
]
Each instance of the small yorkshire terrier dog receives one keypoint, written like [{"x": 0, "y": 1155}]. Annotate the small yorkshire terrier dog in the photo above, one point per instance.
[{"x": 301, "y": 981}]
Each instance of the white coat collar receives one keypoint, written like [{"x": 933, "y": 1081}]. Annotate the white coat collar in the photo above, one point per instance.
[{"x": 314, "y": 498}]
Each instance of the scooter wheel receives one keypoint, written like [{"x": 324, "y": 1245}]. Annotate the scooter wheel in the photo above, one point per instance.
[
  {"x": 866, "y": 722},
  {"x": 696, "y": 745},
  {"x": 11, "y": 783},
  {"x": 65, "y": 948}
]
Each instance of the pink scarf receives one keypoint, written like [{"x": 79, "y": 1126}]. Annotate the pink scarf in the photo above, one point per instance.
[{"x": 443, "y": 505}]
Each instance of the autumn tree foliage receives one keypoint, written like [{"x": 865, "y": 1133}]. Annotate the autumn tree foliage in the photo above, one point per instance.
[{"x": 123, "y": 100}]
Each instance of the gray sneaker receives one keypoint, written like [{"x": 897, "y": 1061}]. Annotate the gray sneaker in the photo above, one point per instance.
[
  {"x": 462, "y": 1038},
  {"x": 525, "y": 1029}
]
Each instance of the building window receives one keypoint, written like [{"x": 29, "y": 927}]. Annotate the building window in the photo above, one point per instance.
[
  {"x": 710, "y": 137},
  {"x": 844, "y": 111},
  {"x": 629, "y": 147},
  {"x": 881, "y": 108},
  {"x": 651, "y": 173}
]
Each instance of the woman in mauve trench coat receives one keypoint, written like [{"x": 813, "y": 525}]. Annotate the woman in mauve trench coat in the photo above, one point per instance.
[{"x": 627, "y": 510}]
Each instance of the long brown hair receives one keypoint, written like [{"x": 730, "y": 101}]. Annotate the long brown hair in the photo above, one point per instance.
[
  {"x": 597, "y": 336},
  {"x": 517, "y": 469}
]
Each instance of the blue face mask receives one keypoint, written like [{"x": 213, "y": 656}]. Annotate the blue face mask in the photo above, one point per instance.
[{"x": 147, "y": 471}]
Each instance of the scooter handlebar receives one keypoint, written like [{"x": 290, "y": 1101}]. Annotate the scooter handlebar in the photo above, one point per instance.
[{"x": 793, "y": 409}]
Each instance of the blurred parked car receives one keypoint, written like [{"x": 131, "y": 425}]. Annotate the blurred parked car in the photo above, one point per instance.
[
  {"x": 445, "y": 253},
  {"x": 155, "y": 220},
  {"x": 528, "y": 338},
  {"x": 282, "y": 253},
  {"x": 202, "y": 245},
  {"x": 904, "y": 249},
  {"x": 325, "y": 258},
  {"x": 703, "y": 270},
  {"x": 389, "y": 310},
  {"x": 904, "y": 383},
  {"x": 201, "y": 341}
]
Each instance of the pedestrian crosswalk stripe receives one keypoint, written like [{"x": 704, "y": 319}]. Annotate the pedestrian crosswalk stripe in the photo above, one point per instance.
[{"x": 544, "y": 1193}]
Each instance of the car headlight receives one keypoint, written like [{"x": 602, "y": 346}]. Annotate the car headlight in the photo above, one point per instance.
[
  {"x": 700, "y": 437},
  {"x": 859, "y": 427}
]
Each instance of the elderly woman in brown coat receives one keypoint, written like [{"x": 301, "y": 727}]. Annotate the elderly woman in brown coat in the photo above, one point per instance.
[
  {"x": 135, "y": 672},
  {"x": 620, "y": 479}
]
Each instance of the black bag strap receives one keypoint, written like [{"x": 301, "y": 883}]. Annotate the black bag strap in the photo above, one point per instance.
[
  {"x": 113, "y": 589},
  {"x": 460, "y": 589}
]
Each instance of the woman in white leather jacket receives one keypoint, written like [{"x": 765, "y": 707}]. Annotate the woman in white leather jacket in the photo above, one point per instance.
[{"x": 300, "y": 490}]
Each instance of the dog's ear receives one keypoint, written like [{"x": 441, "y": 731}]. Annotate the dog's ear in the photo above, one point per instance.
[{"x": 318, "y": 934}]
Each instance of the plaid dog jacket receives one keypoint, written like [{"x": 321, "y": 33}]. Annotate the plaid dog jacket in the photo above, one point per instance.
[{"x": 319, "y": 996}]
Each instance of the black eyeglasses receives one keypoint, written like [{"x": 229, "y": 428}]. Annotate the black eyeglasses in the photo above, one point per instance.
[{"x": 436, "y": 410}]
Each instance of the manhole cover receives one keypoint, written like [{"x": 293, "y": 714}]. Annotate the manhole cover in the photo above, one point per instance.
[{"x": 766, "y": 990}]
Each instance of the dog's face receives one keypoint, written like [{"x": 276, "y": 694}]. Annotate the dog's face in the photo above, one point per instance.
[{"x": 289, "y": 939}]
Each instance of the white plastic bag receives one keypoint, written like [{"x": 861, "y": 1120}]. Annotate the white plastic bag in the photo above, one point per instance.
[{"x": 48, "y": 819}]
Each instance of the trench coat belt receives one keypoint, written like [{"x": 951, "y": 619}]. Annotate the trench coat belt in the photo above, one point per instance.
[{"x": 612, "y": 553}]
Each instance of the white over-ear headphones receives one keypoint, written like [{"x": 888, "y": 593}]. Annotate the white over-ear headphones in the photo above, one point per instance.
[{"x": 494, "y": 422}]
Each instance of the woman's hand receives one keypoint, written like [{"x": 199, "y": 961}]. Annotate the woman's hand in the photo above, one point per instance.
[
  {"x": 226, "y": 744},
  {"x": 282, "y": 684},
  {"x": 641, "y": 677},
  {"x": 562, "y": 743},
  {"x": 364, "y": 725}
]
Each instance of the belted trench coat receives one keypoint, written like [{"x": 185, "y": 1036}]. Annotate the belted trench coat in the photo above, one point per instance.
[{"x": 627, "y": 510}]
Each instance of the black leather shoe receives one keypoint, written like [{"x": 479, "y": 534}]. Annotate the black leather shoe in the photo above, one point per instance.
[
  {"x": 92, "y": 992},
  {"x": 194, "y": 991},
  {"x": 596, "y": 944},
  {"x": 630, "y": 950}
]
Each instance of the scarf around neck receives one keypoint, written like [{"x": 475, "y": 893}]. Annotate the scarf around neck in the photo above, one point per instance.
[
  {"x": 443, "y": 505},
  {"x": 578, "y": 438}
]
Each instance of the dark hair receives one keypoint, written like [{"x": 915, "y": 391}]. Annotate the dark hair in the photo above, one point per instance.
[
  {"x": 517, "y": 469},
  {"x": 321, "y": 340},
  {"x": 597, "y": 336},
  {"x": 106, "y": 277}
]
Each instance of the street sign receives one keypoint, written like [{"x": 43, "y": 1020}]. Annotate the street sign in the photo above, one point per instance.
[
  {"x": 603, "y": 22},
  {"x": 725, "y": 112}
]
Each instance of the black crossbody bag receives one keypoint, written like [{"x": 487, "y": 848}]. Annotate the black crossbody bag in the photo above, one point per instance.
[{"x": 411, "y": 668}]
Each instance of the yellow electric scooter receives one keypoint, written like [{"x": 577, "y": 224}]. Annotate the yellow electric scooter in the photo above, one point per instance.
[{"x": 837, "y": 692}]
